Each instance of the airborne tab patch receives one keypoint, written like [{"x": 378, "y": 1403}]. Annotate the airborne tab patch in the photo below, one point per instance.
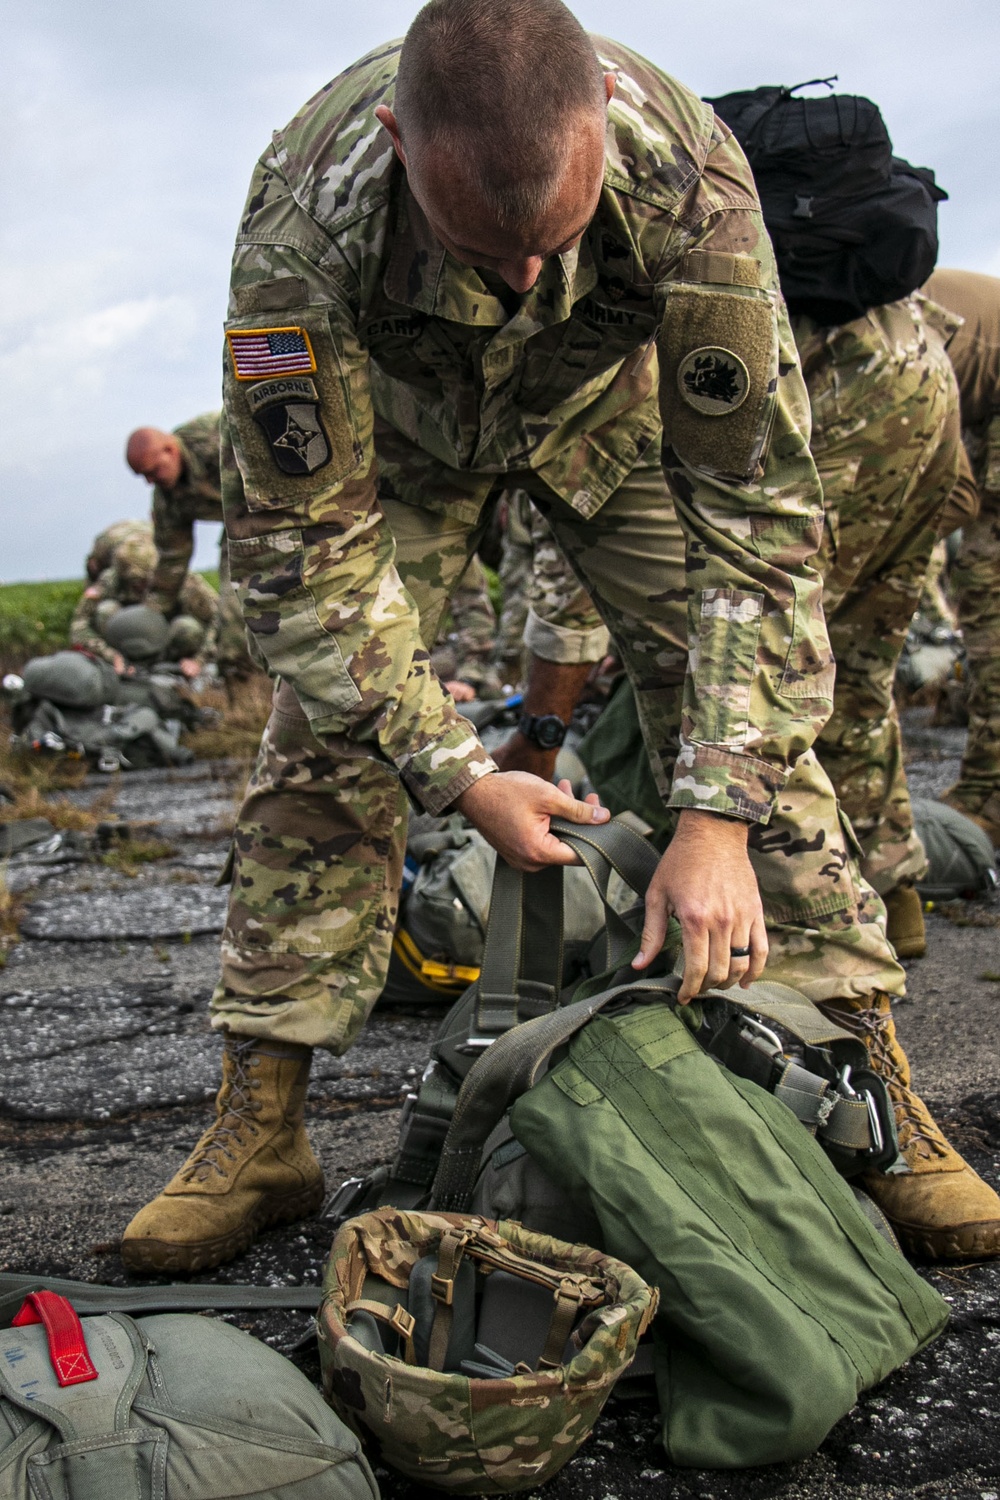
[
  {"x": 713, "y": 380},
  {"x": 260, "y": 352}
]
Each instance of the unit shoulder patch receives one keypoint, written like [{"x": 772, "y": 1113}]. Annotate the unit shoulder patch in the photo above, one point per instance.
[{"x": 713, "y": 380}]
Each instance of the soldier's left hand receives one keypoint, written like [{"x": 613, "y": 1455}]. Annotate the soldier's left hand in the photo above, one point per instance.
[
  {"x": 512, "y": 810},
  {"x": 706, "y": 880}
]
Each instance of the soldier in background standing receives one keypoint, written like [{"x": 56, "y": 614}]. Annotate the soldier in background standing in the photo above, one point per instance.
[
  {"x": 975, "y": 574},
  {"x": 885, "y": 436},
  {"x": 183, "y": 467}
]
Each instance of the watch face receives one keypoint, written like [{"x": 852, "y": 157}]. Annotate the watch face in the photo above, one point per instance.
[{"x": 550, "y": 731}]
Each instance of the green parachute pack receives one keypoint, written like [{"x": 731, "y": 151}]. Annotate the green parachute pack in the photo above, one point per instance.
[
  {"x": 961, "y": 861},
  {"x": 70, "y": 703},
  {"x": 111, "y": 1407}
]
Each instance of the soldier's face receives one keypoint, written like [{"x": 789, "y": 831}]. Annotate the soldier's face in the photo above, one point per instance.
[
  {"x": 161, "y": 465},
  {"x": 445, "y": 188}
]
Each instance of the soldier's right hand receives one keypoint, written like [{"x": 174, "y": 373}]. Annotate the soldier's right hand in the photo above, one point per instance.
[{"x": 512, "y": 810}]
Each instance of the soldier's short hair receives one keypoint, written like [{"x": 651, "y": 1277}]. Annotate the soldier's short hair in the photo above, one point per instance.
[{"x": 501, "y": 79}]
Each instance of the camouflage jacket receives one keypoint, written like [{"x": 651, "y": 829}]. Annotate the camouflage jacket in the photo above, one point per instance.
[
  {"x": 106, "y": 543},
  {"x": 197, "y": 598},
  {"x": 197, "y": 496},
  {"x": 346, "y": 313}
]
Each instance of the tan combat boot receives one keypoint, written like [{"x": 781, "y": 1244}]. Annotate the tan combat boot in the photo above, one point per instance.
[
  {"x": 252, "y": 1167},
  {"x": 904, "y": 926},
  {"x": 941, "y": 1208}
]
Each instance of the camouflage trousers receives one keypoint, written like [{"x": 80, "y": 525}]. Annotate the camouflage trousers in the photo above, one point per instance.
[
  {"x": 464, "y": 648},
  {"x": 886, "y": 445},
  {"x": 320, "y": 837},
  {"x": 546, "y": 610},
  {"x": 975, "y": 579}
]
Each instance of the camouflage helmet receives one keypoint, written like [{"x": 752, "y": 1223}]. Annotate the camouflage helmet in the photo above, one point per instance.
[
  {"x": 960, "y": 856},
  {"x": 138, "y": 632},
  {"x": 477, "y": 1355},
  {"x": 135, "y": 563},
  {"x": 186, "y": 638}
]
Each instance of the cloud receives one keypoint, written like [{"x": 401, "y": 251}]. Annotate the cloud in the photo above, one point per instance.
[{"x": 67, "y": 364}]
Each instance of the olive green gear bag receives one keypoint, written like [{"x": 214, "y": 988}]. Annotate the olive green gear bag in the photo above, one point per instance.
[
  {"x": 156, "y": 1408},
  {"x": 477, "y": 1356},
  {"x": 780, "y": 1300}
]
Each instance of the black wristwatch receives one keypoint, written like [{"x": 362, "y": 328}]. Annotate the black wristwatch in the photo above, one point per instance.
[{"x": 547, "y": 731}]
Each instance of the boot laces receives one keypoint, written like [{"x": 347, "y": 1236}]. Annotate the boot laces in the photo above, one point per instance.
[
  {"x": 914, "y": 1122},
  {"x": 237, "y": 1111}
]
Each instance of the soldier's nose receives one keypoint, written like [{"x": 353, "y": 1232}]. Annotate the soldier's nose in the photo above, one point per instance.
[{"x": 521, "y": 275}]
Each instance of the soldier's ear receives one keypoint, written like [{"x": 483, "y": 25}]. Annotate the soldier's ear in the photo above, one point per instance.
[
  {"x": 387, "y": 120},
  {"x": 610, "y": 79}
]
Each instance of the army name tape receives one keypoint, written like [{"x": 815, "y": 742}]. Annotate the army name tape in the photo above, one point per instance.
[{"x": 713, "y": 381}]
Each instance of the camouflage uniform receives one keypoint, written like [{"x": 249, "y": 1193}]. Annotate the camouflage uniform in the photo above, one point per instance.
[
  {"x": 936, "y": 609},
  {"x": 546, "y": 609},
  {"x": 197, "y": 496},
  {"x": 975, "y": 574},
  {"x": 106, "y": 544},
  {"x": 463, "y": 651},
  {"x": 886, "y": 440},
  {"x": 352, "y": 334},
  {"x": 126, "y": 582}
]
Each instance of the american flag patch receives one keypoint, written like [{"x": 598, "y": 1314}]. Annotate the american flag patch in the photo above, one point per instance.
[{"x": 259, "y": 352}]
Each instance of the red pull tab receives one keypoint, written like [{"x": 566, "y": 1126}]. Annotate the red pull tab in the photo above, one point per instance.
[{"x": 67, "y": 1345}]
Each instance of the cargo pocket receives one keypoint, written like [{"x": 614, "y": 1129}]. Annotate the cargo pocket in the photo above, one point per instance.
[{"x": 287, "y": 400}]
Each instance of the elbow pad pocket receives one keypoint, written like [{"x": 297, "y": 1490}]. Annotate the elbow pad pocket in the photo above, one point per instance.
[
  {"x": 287, "y": 402},
  {"x": 718, "y": 354}
]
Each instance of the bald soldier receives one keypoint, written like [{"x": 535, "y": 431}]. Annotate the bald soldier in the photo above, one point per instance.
[
  {"x": 975, "y": 576},
  {"x": 496, "y": 257},
  {"x": 183, "y": 467}
]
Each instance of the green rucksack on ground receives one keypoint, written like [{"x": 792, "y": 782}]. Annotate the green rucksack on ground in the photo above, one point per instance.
[{"x": 159, "y": 1408}]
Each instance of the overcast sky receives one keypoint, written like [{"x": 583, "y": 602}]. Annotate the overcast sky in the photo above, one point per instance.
[{"x": 132, "y": 130}]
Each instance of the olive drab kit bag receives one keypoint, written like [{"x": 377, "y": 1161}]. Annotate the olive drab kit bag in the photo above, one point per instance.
[
  {"x": 111, "y": 1407},
  {"x": 477, "y": 1356},
  {"x": 606, "y": 1108},
  {"x": 852, "y": 226}
]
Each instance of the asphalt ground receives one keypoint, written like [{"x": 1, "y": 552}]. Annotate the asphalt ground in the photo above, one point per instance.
[{"x": 107, "y": 1068}]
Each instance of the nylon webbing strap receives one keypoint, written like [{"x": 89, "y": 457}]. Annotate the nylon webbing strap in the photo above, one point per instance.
[
  {"x": 624, "y": 850},
  {"x": 508, "y": 1069},
  {"x": 91, "y": 1297},
  {"x": 522, "y": 954}
]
